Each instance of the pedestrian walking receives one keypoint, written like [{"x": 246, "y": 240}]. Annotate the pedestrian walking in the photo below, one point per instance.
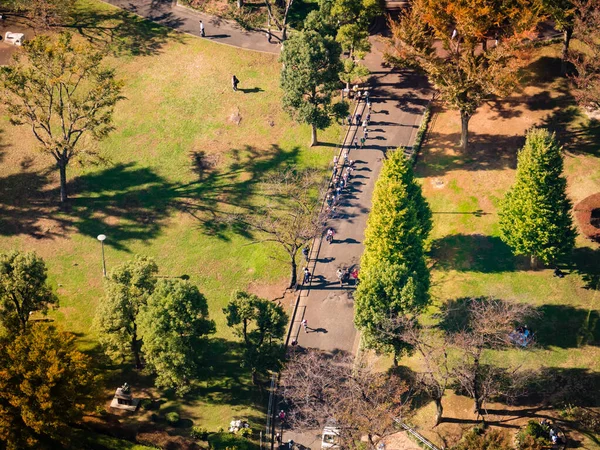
[
  {"x": 345, "y": 155},
  {"x": 234, "y": 82},
  {"x": 362, "y": 142},
  {"x": 329, "y": 236},
  {"x": 305, "y": 325},
  {"x": 366, "y": 134},
  {"x": 365, "y": 123},
  {"x": 369, "y": 105},
  {"x": 306, "y": 275},
  {"x": 340, "y": 275},
  {"x": 357, "y": 117},
  {"x": 354, "y": 275},
  {"x": 336, "y": 158},
  {"x": 349, "y": 119},
  {"x": 338, "y": 191},
  {"x": 306, "y": 250},
  {"x": 356, "y": 143},
  {"x": 282, "y": 415},
  {"x": 202, "y": 29},
  {"x": 368, "y": 117}
]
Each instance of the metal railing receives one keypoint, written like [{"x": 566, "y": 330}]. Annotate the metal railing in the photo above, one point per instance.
[{"x": 417, "y": 435}]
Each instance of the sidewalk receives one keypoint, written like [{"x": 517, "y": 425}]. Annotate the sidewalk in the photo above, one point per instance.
[
  {"x": 398, "y": 101},
  {"x": 187, "y": 20}
]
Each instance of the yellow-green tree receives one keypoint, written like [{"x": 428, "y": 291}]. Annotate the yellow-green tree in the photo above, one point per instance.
[
  {"x": 46, "y": 385},
  {"x": 60, "y": 90},
  {"x": 394, "y": 275},
  {"x": 535, "y": 215}
]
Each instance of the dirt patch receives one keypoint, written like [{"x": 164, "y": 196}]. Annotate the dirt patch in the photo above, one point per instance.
[{"x": 273, "y": 291}]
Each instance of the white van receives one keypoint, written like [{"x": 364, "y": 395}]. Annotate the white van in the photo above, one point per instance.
[{"x": 331, "y": 437}]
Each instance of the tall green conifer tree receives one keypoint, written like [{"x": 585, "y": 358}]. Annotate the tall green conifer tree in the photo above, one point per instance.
[
  {"x": 535, "y": 215},
  {"x": 394, "y": 275}
]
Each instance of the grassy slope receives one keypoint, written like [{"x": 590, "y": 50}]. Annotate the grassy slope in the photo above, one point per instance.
[{"x": 147, "y": 198}]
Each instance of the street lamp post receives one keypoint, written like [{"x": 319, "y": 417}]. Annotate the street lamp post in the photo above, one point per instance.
[{"x": 101, "y": 238}]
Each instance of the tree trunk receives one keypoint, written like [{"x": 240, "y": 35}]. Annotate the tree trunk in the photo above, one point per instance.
[
  {"x": 535, "y": 263},
  {"x": 284, "y": 33},
  {"x": 439, "y": 411},
  {"x": 62, "y": 167},
  {"x": 240, "y": 3},
  {"x": 135, "y": 349},
  {"x": 395, "y": 362},
  {"x": 313, "y": 138},
  {"x": 567, "y": 34},
  {"x": 293, "y": 274},
  {"x": 464, "y": 135}
]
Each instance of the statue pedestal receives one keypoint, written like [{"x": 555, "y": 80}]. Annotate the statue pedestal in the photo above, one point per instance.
[{"x": 124, "y": 400}]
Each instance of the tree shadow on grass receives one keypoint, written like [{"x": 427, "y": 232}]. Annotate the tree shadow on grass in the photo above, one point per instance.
[
  {"x": 124, "y": 33},
  {"x": 486, "y": 152},
  {"x": 561, "y": 326},
  {"x": 473, "y": 253},
  {"x": 24, "y": 205},
  {"x": 565, "y": 326},
  {"x": 128, "y": 202},
  {"x": 587, "y": 263}
]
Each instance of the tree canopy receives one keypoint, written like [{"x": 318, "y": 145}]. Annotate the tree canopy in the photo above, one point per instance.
[
  {"x": 291, "y": 216},
  {"x": 394, "y": 275},
  {"x": 535, "y": 215},
  {"x": 465, "y": 70},
  {"x": 174, "y": 324},
  {"x": 127, "y": 289},
  {"x": 586, "y": 58},
  {"x": 311, "y": 63},
  {"x": 23, "y": 289},
  {"x": 44, "y": 12},
  {"x": 261, "y": 324},
  {"x": 46, "y": 384},
  {"x": 64, "y": 94}
]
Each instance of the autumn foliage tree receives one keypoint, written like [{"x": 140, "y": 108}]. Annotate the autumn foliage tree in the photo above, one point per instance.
[
  {"x": 63, "y": 93},
  {"x": 448, "y": 40},
  {"x": 46, "y": 385},
  {"x": 44, "y": 13},
  {"x": 587, "y": 58}
]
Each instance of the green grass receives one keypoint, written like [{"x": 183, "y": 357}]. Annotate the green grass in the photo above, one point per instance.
[
  {"x": 150, "y": 199},
  {"x": 470, "y": 260}
]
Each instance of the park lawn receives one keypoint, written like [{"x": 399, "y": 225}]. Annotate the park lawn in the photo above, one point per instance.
[
  {"x": 467, "y": 256},
  {"x": 148, "y": 197}
]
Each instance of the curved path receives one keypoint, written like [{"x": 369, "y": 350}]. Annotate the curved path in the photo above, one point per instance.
[{"x": 187, "y": 20}]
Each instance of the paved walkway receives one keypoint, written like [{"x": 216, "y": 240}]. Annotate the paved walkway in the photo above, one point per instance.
[
  {"x": 398, "y": 101},
  {"x": 187, "y": 20}
]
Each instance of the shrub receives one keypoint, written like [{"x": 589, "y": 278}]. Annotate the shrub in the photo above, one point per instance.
[
  {"x": 199, "y": 433},
  {"x": 172, "y": 418},
  {"x": 245, "y": 432},
  {"x": 147, "y": 404},
  {"x": 476, "y": 439},
  {"x": 533, "y": 437},
  {"x": 587, "y": 419}
]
